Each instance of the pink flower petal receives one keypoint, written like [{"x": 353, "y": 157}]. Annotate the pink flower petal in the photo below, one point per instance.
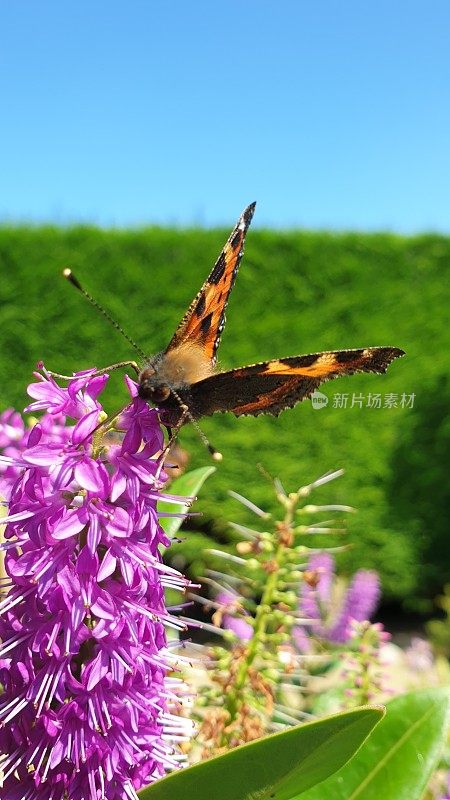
[
  {"x": 132, "y": 439},
  {"x": 96, "y": 385},
  {"x": 97, "y": 669},
  {"x": 120, "y": 525},
  {"x": 85, "y": 426},
  {"x": 118, "y": 486},
  {"x": 91, "y": 475},
  {"x": 103, "y": 607},
  {"x": 131, "y": 385},
  {"x": 71, "y": 524},
  {"x": 94, "y": 533},
  {"x": 44, "y": 390},
  {"x": 107, "y": 567},
  {"x": 44, "y": 455},
  {"x": 34, "y": 436},
  {"x": 16, "y": 517}
]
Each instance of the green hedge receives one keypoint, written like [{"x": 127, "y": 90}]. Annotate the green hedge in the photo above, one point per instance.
[{"x": 298, "y": 292}]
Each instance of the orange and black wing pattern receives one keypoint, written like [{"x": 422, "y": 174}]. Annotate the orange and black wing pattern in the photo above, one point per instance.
[
  {"x": 272, "y": 386},
  {"x": 203, "y": 323}
]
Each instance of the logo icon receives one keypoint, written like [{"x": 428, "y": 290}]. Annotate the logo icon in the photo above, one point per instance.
[{"x": 319, "y": 400}]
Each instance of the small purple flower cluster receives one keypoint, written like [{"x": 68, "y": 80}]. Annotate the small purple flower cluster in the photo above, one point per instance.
[
  {"x": 359, "y": 603},
  {"x": 88, "y": 709},
  {"x": 232, "y": 615},
  {"x": 12, "y": 441}
]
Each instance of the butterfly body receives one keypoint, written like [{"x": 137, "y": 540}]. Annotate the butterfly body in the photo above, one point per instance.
[
  {"x": 166, "y": 379},
  {"x": 183, "y": 381}
]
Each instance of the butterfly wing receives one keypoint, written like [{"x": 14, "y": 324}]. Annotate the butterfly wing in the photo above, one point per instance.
[
  {"x": 203, "y": 323},
  {"x": 272, "y": 386}
]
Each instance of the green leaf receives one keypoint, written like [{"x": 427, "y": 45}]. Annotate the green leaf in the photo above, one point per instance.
[
  {"x": 397, "y": 761},
  {"x": 187, "y": 485},
  {"x": 277, "y": 767}
]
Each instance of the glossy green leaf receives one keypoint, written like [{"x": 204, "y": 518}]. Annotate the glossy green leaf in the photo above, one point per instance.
[
  {"x": 187, "y": 485},
  {"x": 396, "y": 762},
  {"x": 277, "y": 767}
]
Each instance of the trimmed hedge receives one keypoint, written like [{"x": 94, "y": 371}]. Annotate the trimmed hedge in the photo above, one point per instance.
[{"x": 298, "y": 292}]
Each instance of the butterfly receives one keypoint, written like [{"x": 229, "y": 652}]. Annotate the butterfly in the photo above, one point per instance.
[{"x": 183, "y": 381}]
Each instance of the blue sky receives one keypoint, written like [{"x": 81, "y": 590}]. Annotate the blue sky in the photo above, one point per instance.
[{"x": 331, "y": 114}]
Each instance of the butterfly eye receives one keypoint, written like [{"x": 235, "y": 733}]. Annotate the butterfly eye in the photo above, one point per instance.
[
  {"x": 148, "y": 372},
  {"x": 150, "y": 389},
  {"x": 160, "y": 393}
]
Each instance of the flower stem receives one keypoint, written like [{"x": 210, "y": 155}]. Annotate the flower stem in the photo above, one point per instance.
[{"x": 234, "y": 698}]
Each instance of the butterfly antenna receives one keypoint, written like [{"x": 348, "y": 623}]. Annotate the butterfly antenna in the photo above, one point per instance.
[
  {"x": 68, "y": 274},
  {"x": 216, "y": 455},
  {"x": 75, "y": 282}
]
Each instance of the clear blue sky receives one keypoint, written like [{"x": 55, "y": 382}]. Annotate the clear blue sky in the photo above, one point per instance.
[{"x": 329, "y": 113}]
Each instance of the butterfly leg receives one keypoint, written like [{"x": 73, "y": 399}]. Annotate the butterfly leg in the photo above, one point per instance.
[
  {"x": 98, "y": 372},
  {"x": 172, "y": 432},
  {"x": 119, "y": 365},
  {"x": 186, "y": 415}
]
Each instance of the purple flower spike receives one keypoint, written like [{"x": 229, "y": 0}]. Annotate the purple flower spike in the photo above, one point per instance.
[
  {"x": 317, "y": 603},
  {"x": 88, "y": 709},
  {"x": 12, "y": 439},
  {"x": 232, "y": 613},
  {"x": 315, "y": 598},
  {"x": 359, "y": 604}
]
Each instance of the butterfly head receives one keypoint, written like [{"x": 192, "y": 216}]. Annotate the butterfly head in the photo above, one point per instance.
[{"x": 151, "y": 387}]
